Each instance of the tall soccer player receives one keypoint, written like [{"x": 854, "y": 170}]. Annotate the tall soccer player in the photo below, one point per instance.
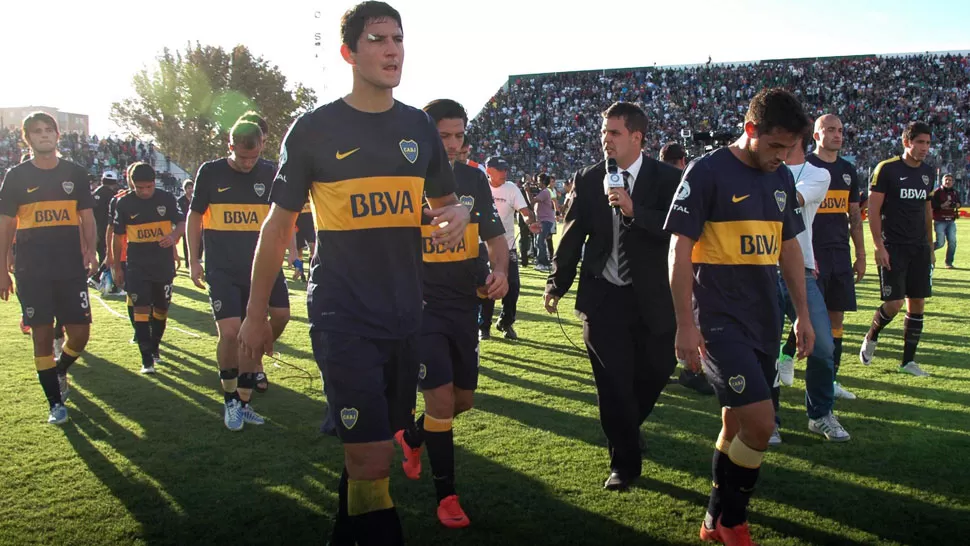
[
  {"x": 364, "y": 161},
  {"x": 448, "y": 344},
  {"x": 733, "y": 219},
  {"x": 152, "y": 224},
  {"x": 901, "y": 222},
  {"x": 47, "y": 203},
  {"x": 230, "y": 203}
]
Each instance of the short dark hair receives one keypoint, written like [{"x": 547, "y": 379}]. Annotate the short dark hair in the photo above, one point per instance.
[
  {"x": 245, "y": 134},
  {"x": 257, "y": 119},
  {"x": 776, "y": 108},
  {"x": 632, "y": 115},
  {"x": 672, "y": 152},
  {"x": 141, "y": 172},
  {"x": 915, "y": 129},
  {"x": 544, "y": 179},
  {"x": 356, "y": 18},
  {"x": 440, "y": 109},
  {"x": 35, "y": 117}
]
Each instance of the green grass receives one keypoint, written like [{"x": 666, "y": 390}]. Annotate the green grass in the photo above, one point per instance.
[{"x": 146, "y": 460}]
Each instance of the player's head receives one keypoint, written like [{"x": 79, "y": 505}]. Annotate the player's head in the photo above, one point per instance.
[
  {"x": 773, "y": 126},
  {"x": 141, "y": 175},
  {"x": 544, "y": 179},
  {"x": 948, "y": 181},
  {"x": 916, "y": 140},
  {"x": 497, "y": 170},
  {"x": 245, "y": 145},
  {"x": 110, "y": 178},
  {"x": 451, "y": 118},
  {"x": 624, "y": 127},
  {"x": 258, "y": 120},
  {"x": 188, "y": 186},
  {"x": 40, "y": 132},
  {"x": 674, "y": 154},
  {"x": 373, "y": 43},
  {"x": 828, "y": 133}
]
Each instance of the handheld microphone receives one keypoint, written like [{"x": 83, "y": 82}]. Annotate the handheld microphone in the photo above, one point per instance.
[{"x": 612, "y": 181}]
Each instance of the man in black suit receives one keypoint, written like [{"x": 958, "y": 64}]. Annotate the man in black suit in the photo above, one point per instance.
[{"x": 624, "y": 295}]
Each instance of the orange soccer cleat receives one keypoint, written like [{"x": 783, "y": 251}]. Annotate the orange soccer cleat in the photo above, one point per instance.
[
  {"x": 412, "y": 457},
  {"x": 450, "y": 513}
]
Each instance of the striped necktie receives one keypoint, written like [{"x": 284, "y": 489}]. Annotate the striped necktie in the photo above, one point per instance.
[{"x": 622, "y": 263}]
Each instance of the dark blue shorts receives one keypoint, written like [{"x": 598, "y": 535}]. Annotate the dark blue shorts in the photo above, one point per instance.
[
  {"x": 144, "y": 292},
  {"x": 43, "y": 300},
  {"x": 448, "y": 349},
  {"x": 370, "y": 384},
  {"x": 836, "y": 279},
  {"x": 229, "y": 297},
  {"x": 739, "y": 373}
]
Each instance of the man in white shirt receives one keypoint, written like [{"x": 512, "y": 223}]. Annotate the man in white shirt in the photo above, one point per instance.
[
  {"x": 508, "y": 201},
  {"x": 811, "y": 185}
]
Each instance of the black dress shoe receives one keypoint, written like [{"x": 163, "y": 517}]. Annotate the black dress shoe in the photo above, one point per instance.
[
  {"x": 617, "y": 482},
  {"x": 696, "y": 382}
]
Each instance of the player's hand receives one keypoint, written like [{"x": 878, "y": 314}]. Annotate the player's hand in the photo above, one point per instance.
[
  {"x": 91, "y": 261},
  {"x": 451, "y": 222},
  {"x": 932, "y": 257},
  {"x": 255, "y": 337},
  {"x": 167, "y": 241},
  {"x": 805, "y": 336},
  {"x": 551, "y": 303},
  {"x": 118, "y": 276},
  {"x": 620, "y": 198},
  {"x": 6, "y": 286},
  {"x": 859, "y": 266},
  {"x": 11, "y": 263},
  {"x": 195, "y": 271},
  {"x": 689, "y": 347},
  {"x": 496, "y": 285},
  {"x": 534, "y": 227},
  {"x": 882, "y": 258},
  {"x": 178, "y": 263}
]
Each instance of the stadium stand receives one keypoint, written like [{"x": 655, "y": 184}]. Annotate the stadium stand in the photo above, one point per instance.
[{"x": 550, "y": 122}]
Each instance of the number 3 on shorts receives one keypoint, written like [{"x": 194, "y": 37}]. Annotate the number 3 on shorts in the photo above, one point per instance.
[{"x": 84, "y": 300}]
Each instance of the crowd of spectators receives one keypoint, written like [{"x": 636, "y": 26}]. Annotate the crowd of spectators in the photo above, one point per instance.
[
  {"x": 551, "y": 123},
  {"x": 95, "y": 154}
]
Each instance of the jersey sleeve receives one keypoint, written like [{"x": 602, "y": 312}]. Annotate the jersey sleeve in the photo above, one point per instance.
[
  {"x": 879, "y": 180},
  {"x": 792, "y": 223},
  {"x": 439, "y": 181},
  {"x": 517, "y": 199},
  {"x": 9, "y": 202},
  {"x": 85, "y": 200},
  {"x": 175, "y": 214},
  {"x": 203, "y": 190},
  {"x": 855, "y": 188},
  {"x": 118, "y": 218},
  {"x": 489, "y": 223},
  {"x": 291, "y": 186},
  {"x": 691, "y": 205}
]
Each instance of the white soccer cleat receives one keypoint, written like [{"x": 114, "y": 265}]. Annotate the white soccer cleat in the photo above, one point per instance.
[
  {"x": 58, "y": 415},
  {"x": 251, "y": 417},
  {"x": 867, "y": 351},
  {"x": 58, "y": 348},
  {"x": 233, "y": 415},
  {"x": 829, "y": 426},
  {"x": 64, "y": 387},
  {"x": 775, "y": 439},
  {"x": 148, "y": 370},
  {"x": 841, "y": 392},
  {"x": 786, "y": 370},
  {"x": 913, "y": 368}
]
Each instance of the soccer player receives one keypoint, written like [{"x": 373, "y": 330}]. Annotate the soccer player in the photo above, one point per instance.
[
  {"x": 305, "y": 238},
  {"x": 448, "y": 343},
  {"x": 184, "y": 201},
  {"x": 364, "y": 161},
  {"x": 831, "y": 231},
  {"x": 466, "y": 148},
  {"x": 102, "y": 197},
  {"x": 901, "y": 222},
  {"x": 509, "y": 202},
  {"x": 46, "y": 202},
  {"x": 732, "y": 220},
  {"x": 146, "y": 217},
  {"x": 946, "y": 210},
  {"x": 231, "y": 201},
  {"x": 120, "y": 260},
  {"x": 811, "y": 185}
]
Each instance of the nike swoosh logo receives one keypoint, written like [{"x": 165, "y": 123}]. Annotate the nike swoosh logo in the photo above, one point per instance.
[
  {"x": 133, "y": 216},
  {"x": 736, "y": 199},
  {"x": 224, "y": 189},
  {"x": 903, "y": 177},
  {"x": 345, "y": 154},
  {"x": 32, "y": 190}
]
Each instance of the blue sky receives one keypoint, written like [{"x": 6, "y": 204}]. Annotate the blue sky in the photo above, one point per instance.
[{"x": 459, "y": 50}]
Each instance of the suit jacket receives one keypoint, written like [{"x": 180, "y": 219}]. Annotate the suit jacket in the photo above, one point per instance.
[{"x": 589, "y": 220}]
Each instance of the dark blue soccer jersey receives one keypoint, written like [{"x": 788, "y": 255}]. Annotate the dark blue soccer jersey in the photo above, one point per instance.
[
  {"x": 738, "y": 217},
  {"x": 365, "y": 175},
  {"x": 906, "y": 191},
  {"x": 830, "y": 229}
]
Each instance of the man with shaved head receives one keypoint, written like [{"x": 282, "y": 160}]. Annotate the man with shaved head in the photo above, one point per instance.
[{"x": 838, "y": 218}]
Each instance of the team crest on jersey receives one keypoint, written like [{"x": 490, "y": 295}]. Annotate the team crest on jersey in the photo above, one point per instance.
[
  {"x": 737, "y": 383},
  {"x": 847, "y": 179},
  {"x": 780, "y": 199},
  {"x": 260, "y": 188},
  {"x": 216, "y": 305},
  {"x": 926, "y": 180},
  {"x": 410, "y": 150},
  {"x": 134, "y": 298},
  {"x": 422, "y": 371},
  {"x": 160, "y": 210},
  {"x": 68, "y": 187},
  {"x": 467, "y": 200},
  {"x": 30, "y": 312},
  {"x": 683, "y": 192},
  {"x": 348, "y": 416}
]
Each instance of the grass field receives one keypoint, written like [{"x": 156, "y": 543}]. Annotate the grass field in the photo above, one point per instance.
[{"x": 146, "y": 460}]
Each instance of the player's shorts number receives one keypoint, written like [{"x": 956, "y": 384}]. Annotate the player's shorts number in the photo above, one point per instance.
[
  {"x": 168, "y": 291},
  {"x": 84, "y": 300}
]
